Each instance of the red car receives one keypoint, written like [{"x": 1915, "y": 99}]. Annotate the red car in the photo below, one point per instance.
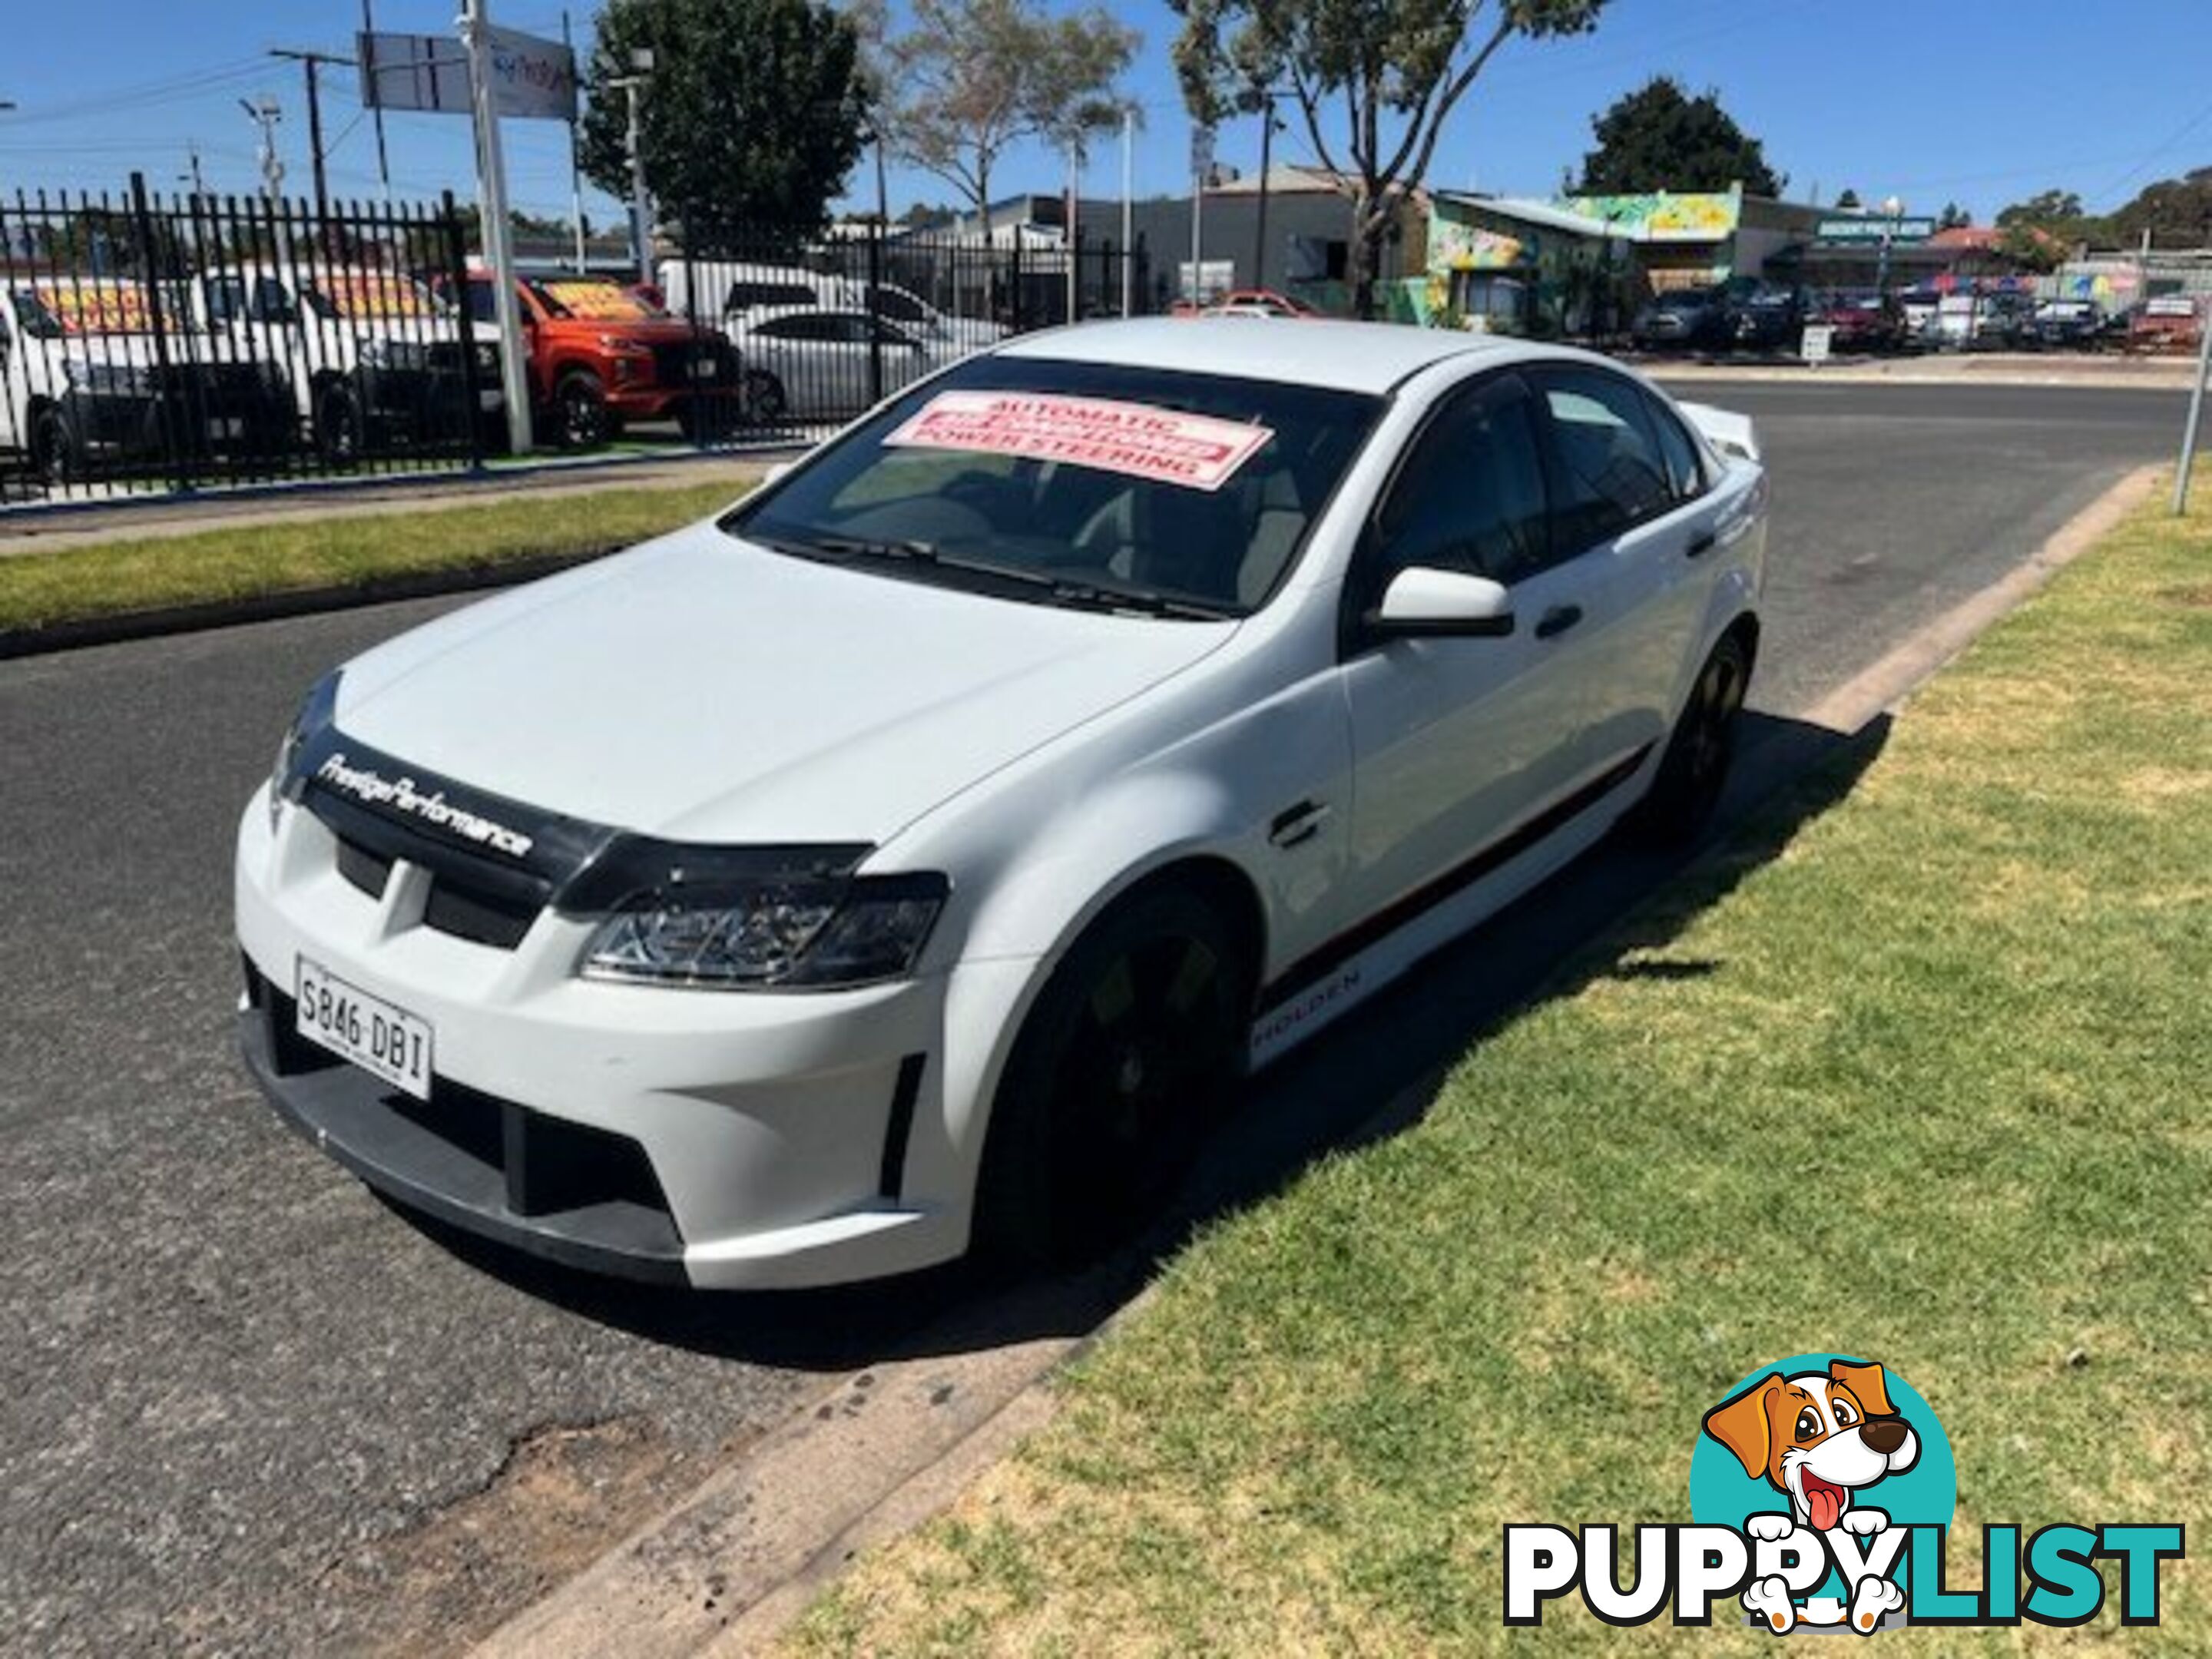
[
  {"x": 601, "y": 355},
  {"x": 1861, "y": 322}
]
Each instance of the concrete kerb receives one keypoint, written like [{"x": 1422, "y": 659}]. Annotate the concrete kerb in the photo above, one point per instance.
[{"x": 726, "y": 1571}]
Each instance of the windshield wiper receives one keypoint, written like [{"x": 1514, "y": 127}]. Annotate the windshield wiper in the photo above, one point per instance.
[{"x": 1060, "y": 590}]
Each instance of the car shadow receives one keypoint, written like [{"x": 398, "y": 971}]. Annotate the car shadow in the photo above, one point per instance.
[{"x": 1374, "y": 1075}]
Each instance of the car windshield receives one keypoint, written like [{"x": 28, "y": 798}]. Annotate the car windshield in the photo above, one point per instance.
[
  {"x": 1681, "y": 300},
  {"x": 594, "y": 300},
  {"x": 1094, "y": 486},
  {"x": 370, "y": 296},
  {"x": 50, "y": 310}
]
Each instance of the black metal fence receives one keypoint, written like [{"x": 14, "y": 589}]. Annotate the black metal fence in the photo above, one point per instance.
[{"x": 153, "y": 343}]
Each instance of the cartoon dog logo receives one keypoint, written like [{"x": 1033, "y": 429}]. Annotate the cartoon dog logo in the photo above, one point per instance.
[{"x": 1820, "y": 1438}]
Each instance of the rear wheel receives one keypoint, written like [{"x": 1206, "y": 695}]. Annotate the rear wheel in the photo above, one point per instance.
[
  {"x": 1695, "y": 767},
  {"x": 765, "y": 402},
  {"x": 1135, "y": 1045}
]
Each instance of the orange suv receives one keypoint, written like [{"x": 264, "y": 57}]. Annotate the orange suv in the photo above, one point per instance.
[{"x": 601, "y": 354}]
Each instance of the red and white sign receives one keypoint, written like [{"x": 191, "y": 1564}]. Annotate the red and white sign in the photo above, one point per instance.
[{"x": 1195, "y": 451}]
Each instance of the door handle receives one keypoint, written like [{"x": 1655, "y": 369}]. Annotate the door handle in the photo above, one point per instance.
[
  {"x": 1704, "y": 542},
  {"x": 1557, "y": 620}
]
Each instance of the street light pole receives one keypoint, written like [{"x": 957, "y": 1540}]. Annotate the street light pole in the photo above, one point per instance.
[
  {"x": 1267, "y": 150},
  {"x": 640, "y": 210},
  {"x": 2196, "y": 418},
  {"x": 498, "y": 233}
]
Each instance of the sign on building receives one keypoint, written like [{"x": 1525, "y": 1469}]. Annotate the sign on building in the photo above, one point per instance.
[
  {"x": 530, "y": 78},
  {"x": 1875, "y": 230}
]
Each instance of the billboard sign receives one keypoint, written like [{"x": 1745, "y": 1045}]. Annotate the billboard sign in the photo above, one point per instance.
[{"x": 530, "y": 78}]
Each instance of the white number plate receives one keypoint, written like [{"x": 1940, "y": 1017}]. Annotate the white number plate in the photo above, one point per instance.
[{"x": 389, "y": 1042}]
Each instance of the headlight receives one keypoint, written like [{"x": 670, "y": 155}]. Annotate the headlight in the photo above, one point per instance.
[
  {"x": 378, "y": 352},
  {"x": 810, "y": 932},
  {"x": 109, "y": 380},
  {"x": 317, "y": 709},
  {"x": 623, "y": 346}
]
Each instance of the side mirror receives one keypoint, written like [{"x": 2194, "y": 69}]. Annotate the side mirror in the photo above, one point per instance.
[{"x": 1424, "y": 603}]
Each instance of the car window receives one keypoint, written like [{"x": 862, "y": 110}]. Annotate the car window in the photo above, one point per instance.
[
  {"x": 1684, "y": 471},
  {"x": 796, "y": 328},
  {"x": 1608, "y": 474},
  {"x": 748, "y": 295},
  {"x": 1471, "y": 495},
  {"x": 482, "y": 306},
  {"x": 900, "y": 307}
]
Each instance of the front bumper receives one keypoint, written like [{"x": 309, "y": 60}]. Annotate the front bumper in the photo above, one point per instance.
[{"x": 714, "y": 1139}]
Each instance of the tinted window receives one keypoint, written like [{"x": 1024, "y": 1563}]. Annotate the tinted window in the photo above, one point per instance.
[
  {"x": 1470, "y": 496},
  {"x": 482, "y": 305},
  {"x": 903, "y": 307},
  {"x": 745, "y": 295},
  {"x": 1684, "y": 470},
  {"x": 1607, "y": 474},
  {"x": 801, "y": 328}
]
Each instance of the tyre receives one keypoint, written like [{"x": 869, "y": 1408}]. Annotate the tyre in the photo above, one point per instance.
[
  {"x": 341, "y": 429},
  {"x": 580, "y": 416},
  {"x": 56, "y": 455},
  {"x": 1695, "y": 767},
  {"x": 764, "y": 400},
  {"x": 1136, "y": 1044}
]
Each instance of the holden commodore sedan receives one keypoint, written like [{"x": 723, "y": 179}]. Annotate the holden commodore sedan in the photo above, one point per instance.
[{"x": 915, "y": 858}]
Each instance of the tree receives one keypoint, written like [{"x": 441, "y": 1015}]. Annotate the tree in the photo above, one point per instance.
[
  {"x": 1659, "y": 137},
  {"x": 972, "y": 77},
  {"x": 1953, "y": 217},
  {"x": 1848, "y": 202},
  {"x": 1395, "y": 70},
  {"x": 751, "y": 117},
  {"x": 2177, "y": 212},
  {"x": 2036, "y": 234}
]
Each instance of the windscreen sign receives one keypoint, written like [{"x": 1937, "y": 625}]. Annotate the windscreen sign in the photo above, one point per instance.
[{"x": 1197, "y": 452}]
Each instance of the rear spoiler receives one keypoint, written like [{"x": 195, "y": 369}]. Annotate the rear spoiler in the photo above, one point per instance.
[{"x": 1732, "y": 435}]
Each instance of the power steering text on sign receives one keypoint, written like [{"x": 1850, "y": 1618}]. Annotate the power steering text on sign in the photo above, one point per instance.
[{"x": 389, "y": 1042}]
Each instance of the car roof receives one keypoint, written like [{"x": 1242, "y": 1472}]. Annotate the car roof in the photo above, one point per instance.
[{"x": 1370, "y": 357}]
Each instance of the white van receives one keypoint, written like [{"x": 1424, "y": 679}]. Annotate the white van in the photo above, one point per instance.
[
  {"x": 85, "y": 383},
  {"x": 373, "y": 357}
]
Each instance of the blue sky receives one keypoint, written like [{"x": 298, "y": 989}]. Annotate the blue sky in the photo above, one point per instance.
[{"x": 1977, "y": 103}]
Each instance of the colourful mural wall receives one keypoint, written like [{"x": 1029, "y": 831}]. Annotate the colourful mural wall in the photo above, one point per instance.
[{"x": 1665, "y": 217}]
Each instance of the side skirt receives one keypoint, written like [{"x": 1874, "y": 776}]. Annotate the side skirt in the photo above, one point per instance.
[{"x": 1313, "y": 993}]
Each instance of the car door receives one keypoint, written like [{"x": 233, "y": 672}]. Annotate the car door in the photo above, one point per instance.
[
  {"x": 1458, "y": 743},
  {"x": 1633, "y": 520}
]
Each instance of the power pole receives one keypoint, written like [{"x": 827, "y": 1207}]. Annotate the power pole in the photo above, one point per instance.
[
  {"x": 1128, "y": 208},
  {"x": 641, "y": 209},
  {"x": 265, "y": 115},
  {"x": 313, "y": 63},
  {"x": 1266, "y": 151},
  {"x": 575, "y": 160}
]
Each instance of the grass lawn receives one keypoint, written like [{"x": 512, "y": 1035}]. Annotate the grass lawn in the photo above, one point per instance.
[
  {"x": 1929, "y": 1085},
  {"x": 38, "y": 590}
]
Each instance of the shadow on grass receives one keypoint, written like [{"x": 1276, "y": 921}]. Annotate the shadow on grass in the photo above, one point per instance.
[{"x": 1373, "y": 1075}]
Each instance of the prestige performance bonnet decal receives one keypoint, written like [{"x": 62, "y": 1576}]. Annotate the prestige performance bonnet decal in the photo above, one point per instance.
[
  {"x": 367, "y": 785},
  {"x": 1821, "y": 1492}
]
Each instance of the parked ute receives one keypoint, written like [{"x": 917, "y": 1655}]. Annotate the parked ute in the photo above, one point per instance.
[
  {"x": 601, "y": 355},
  {"x": 375, "y": 359},
  {"x": 2170, "y": 322},
  {"x": 815, "y": 364},
  {"x": 2071, "y": 326},
  {"x": 916, "y": 856},
  {"x": 86, "y": 385}
]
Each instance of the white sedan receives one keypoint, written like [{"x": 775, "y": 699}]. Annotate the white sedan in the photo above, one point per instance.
[
  {"x": 814, "y": 362},
  {"x": 917, "y": 856}
]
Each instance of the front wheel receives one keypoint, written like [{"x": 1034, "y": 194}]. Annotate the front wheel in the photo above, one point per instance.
[
  {"x": 56, "y": 455},
  {"x": 340, "y": 429},
  {"x": 1135, "y": 1044},
  {"x": 1695, "y": 767},
  {"x": 582, "y": 419}
]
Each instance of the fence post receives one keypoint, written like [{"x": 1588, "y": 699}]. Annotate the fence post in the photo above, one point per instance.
[
  {"x": 874, "y": 309},
  {"x": 141, "y": 223},
  {"x": 457, "y": 266}
]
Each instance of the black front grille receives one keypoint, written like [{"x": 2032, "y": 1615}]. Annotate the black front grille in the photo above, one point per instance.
[
  {"x": 671, "y": 362},
  {"x": 482, "y": 917},
  {"x": 368, "y": 871}
]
